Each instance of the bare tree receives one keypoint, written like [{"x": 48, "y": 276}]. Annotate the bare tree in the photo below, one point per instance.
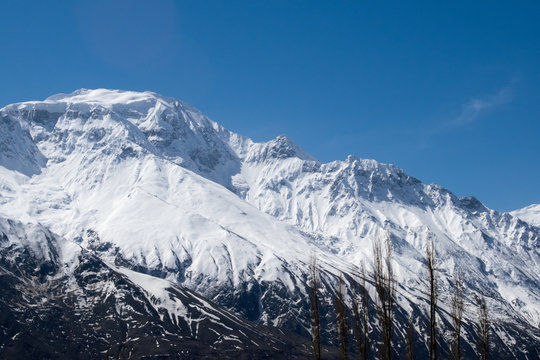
[
  {"x": 456, "y": 308},
  {"x": 483, "y": 330},
  {"x": 341, "y": 319},
  {"x": 358, "y": 332},
  {"x": 409, "y": 339},
  {"x": 361, "y": 316},
  {"x": 385, "y": 286},
  {"x": 431, "y": 263},
  {"x": 314, "y": 305}
]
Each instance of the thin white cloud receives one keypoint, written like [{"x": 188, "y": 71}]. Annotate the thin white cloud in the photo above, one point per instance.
[
  {"x": 476, "y": 107},
  {"x": 471, "y": 112}
]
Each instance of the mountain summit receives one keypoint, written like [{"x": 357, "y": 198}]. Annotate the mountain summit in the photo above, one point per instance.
[{"x": 148, "y": 184}]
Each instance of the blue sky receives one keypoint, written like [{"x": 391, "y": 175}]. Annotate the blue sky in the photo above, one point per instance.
[{"x": 449, "y": 91}]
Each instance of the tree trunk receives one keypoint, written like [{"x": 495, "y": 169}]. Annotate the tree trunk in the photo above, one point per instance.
[
  {"x": 483, "y": 330},
  {"x": 456, "y": 309},
  {"x": 361, "y": 316},
  {"x": 342, "y": 328},
  {"x": 433, "y": 295},
  {"x": 314, "y": 305},
  {"x": 385, "y": 286}
]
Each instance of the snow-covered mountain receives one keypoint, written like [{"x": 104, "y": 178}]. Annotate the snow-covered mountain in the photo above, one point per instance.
[
  {"x": 150, "y": 184},
  {"x": 530, "y": 214}
]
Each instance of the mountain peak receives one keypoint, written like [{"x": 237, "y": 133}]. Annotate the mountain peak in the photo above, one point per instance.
[
  {"x": 107, "y": 97},
  {"x": 282, "y": 147}
]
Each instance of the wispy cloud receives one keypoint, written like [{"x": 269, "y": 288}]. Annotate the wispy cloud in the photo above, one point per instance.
[
  {"x": 471, "y": 111},
  {"x": 477, "y": 107}
]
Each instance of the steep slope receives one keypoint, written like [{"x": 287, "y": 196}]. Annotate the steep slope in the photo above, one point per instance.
[
  {"x": 149, "y": 183},
  {"x": 59, "y": 301},
  {"x": 530, "y": 214}
]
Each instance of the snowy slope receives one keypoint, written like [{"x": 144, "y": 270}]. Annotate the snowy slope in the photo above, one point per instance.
[
  {"x": 150, "y": 183},
  {"x": 530, "y": 214},
  {"x": 117, "y": 311}
]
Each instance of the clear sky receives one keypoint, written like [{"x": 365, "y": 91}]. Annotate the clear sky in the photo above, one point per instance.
[{"x": 447, "y": 90}]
